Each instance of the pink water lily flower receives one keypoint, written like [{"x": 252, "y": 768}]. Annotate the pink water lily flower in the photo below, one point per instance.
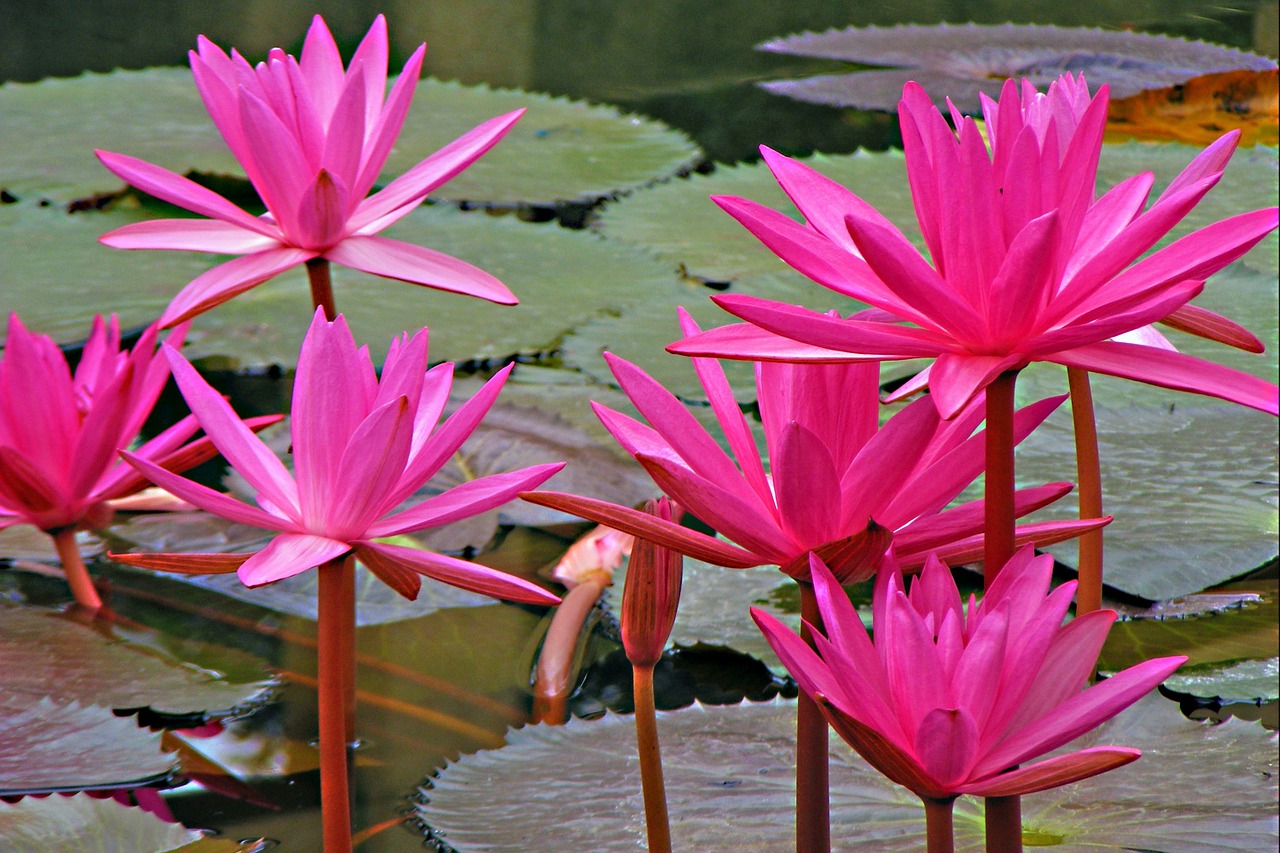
[
  {"x": 950, "y": 700},
  {"x": 838, "y": 484},
  {"x": 361, "y": 447},
  {"x": 1027, "y": 265},
  {"x": 312, "y": 137}
]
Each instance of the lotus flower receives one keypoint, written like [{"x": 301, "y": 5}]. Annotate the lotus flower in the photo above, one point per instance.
[
  {"x": 361, "y": 447},
  {"x": 1027, "y": 264},
  {"x": 947, "y": 702},
  {"x": 838, "y": 485},
  {"x": 60, "y": 433},
  {"x": 312, "y": 138}
]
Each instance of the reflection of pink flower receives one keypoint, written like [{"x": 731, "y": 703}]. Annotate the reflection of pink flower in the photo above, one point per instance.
[
  {"x": 1026, "y": 264},
  {"x": 838, "y": 484},
  {"x": 312, "y": 137},
  {"x": 948, "y": 702},
  {"x": 60, "y": 434},
  {"x": 360, "y": 447}
]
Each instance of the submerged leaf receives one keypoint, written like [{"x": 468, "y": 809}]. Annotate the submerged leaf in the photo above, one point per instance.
[
  {"x": 1202, "y": 109},
  {"x": 729, "y": 770},
  {"x": 38, "y": 825},
  {"x": 959, "y": 61}
]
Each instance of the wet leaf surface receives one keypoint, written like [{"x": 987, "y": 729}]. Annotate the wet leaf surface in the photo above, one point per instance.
[
  {"x": 1202, "y": 109},
  {"x": 46, "y": 654},
  {"x": 47, "y": 746},
  {"x": 83, "y": 823},
  {"x": 959, "y": 61},
  {"x": 729, "y": 770}
]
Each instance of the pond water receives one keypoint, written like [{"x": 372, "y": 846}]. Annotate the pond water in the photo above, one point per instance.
[{"x": 442, "y": 685}]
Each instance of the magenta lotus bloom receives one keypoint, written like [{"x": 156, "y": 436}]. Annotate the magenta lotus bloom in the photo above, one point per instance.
[
  {"x": 949, "y": 701},
  {"x": 312, "y": 137},
  {"x": 839, "y": 484},
  {"x": 1026, "y": 264},
  {"x": 361, "y": 447}
]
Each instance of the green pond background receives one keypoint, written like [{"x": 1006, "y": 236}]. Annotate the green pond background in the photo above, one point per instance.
[{"x": 438, "y": 685}]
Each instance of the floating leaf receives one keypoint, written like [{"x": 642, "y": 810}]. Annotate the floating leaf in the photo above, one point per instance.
[
  {"x": 84, "y": 823},
  {"x": 46, "y": 746},
  {"x": 1247, "y": 681},
  {"x": 958, "y": 62},
  {"x": 52, "y": 127},
  {"x": 1202, "y": 109},
  {"x": 727, "y": 768},
  {"x": 43, "y": 653}
]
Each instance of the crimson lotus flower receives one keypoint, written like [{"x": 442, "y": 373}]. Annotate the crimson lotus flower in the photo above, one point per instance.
[
  {"x": 312, "y": 138},
  {"x": 1027, "y": 265},
  {"x": 60, "y": 434},
  {"x": 949, "y": 700},
  {"x": 361, "y": 447},
  {"x": 839, "y": 485}
]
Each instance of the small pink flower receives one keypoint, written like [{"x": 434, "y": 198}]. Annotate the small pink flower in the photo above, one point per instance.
[
  {"x": 361, "y": 447},
  {"x": 1026, "y": 265},
  {"x": 312, "y": 138},
  {"x": 949, "y": 700}
]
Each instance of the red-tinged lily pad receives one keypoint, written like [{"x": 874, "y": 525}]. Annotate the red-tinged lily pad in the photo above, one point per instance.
[
  {"x": 38, "y": 825},
  {"x": 729, "y": 770},
  {"x": 47, "y": 746},
  {"x": 959, "y": 61},
  {"x": 47, "y": 654}
]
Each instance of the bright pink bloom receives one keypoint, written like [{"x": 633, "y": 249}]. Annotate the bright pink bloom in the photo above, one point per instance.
[
  {"x": 1027, "y": 264},
  {"x": 838, "y": 484},
  {"x": 361, "y": 447},
  {"x": 312, "y": 137},
  {"x": 60, "y": 434},
  {"x": 948, "y": 703}
]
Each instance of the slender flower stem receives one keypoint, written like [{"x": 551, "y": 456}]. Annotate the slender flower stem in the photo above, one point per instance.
[
  {"x": 1089, "y": 488},
  {"x": 347, "y": 625},
  {"x": 321, "y": 287},
  {"x": 1004, "y": 814},
  {"x": 938, "y": 826},
  {"x": 555, "y": 661},
  {"x": 655, "y": 794},
  {"x": 999, "y": 482},
  {"x": 335, "y": 661},
  {"x": 73, "y": 566},
  {"x": 813, "y": 819}
]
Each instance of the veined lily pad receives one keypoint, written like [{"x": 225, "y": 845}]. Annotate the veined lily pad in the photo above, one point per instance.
[
  {"x": 562, "y": 150},
  {"x": 958, "y": 62},
  {"x": 38, "y": 825},
  {"x": 727, "y": 768},
  {"x": 46, "y": 746},
  {"x": 45, "y": 654}
]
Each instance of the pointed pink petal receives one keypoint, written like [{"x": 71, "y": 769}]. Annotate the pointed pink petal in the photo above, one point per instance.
[
  {"x": 637, "y": 523},
  {"x": 344, "y": 139},
  {"x": 203, "y": 496},
  {"x": 954, "y": 378},
  {"x": 1195, "y": 320},
  {"x": 372, "y": 54},
  {"x": 808, "y": 488},
  {"x": 189, "y": 235},
  {"x": 228, "y": 280},
  {"x": 184, "y": 564},
  {"x": 370, "y": 467},
  {"x": 879, "y": 471},
  {"x": 289, "y": 554},
  {"x": 1173, "y": 370},
  {"x": 810, "y": 671},
  {"x": 945, "y": 744},
  {"x": 459, "y": 573},
  {"x": 382, "y": 135},
  {"x": 419, "y": 265},
  {"x": 322, "y": 67},
  {"x": 745, "y": 342},
  {"x": 1053, "y": 772},
  {"x": 183, "y": 192},
  {"x": 282, "y": 168},
  {"x": 463, "y": 501},
  {"x": 24, "y": 487}
]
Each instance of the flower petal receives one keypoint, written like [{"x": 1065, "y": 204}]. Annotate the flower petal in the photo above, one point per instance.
[
  {"x": 418, "y": 265},
  {"x": 189, "y": 235},
  {"x": 230, "y": 279},
  {"x": 463, "y": 501},
  {"x": 459, "y": 573},
  {"x": 290, "y": 554}
]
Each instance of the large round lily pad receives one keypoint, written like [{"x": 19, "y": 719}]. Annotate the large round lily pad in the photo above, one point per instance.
[
  {"x": 46, "y": 654},
  {"x": 47, "y": 746},
  {"x": 562, "y": 150},
  {"x": 38, "y": 825},
  {"x": 729, "y": 770}
]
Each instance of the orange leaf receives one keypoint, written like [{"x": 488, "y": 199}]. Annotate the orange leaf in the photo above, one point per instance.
[{"x": 1202, "y": 109}]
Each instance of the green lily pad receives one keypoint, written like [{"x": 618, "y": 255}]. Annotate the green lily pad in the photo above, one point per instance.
[
  {"x": 46, "y": 746},
  {"x": 24, "y": 542},
  {"x": 43, "y": 653},
  {"x": 38, "y": 825},
  {"x": 1247, "y": 681},
  {"x": 732, "y": 767},
  {"x": 561, "y": 150}
]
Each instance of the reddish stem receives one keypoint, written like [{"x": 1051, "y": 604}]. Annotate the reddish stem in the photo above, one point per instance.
[
  {"x": 81, "y": 584},
  {"x": 1004, "y": 824},
  {"x": 656, "y": 822},
  {"x": 321, "y": 287},
  {"x": 555, "y": 661},
  {"x": 1089, "y": 490},
  {"x": 813, "y": 819},
  {"x": 999, "y": 481},
  {"x": 938, "y": 825},
  {"x": 335, "y": 662},
  {"x": 347, "y": 607}
]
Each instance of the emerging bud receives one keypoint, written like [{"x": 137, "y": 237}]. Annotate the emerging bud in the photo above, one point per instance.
[{"x": 651, "y": 593}]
